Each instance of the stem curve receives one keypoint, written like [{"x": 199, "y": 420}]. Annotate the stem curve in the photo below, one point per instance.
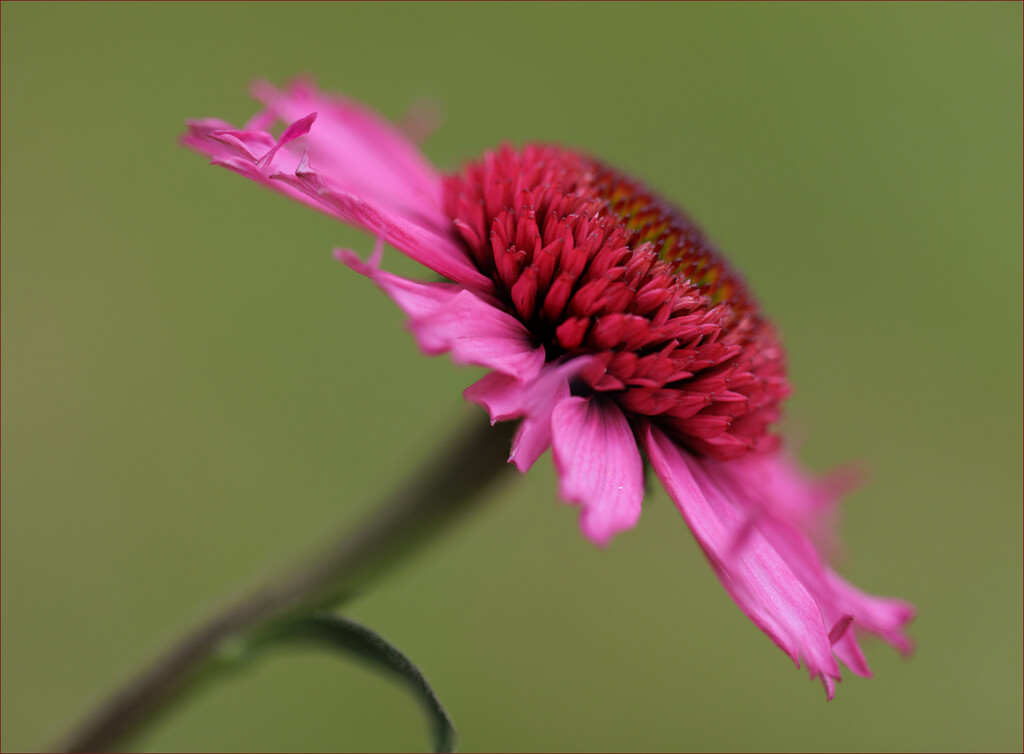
[{"x": 434, "y": 496}]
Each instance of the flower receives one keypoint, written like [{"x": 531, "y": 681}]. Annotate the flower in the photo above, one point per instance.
[{"x": 612, "y": 331}]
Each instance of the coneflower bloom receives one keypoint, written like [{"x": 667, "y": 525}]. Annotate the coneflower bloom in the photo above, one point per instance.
[{"x": 612, "y": 330}]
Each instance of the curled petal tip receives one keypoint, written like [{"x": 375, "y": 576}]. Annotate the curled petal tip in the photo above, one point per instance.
[{"x": 840, "y": 628}]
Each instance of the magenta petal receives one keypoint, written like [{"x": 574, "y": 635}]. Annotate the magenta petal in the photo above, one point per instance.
[
  {"x": 423, "y": 244},
  {"x": 477, "y": 332},
  {"x": 445, "y": 317},
  {"x": 505, "y": 398},
  {"x": 197, "y": 136},
  {"x": 241, "y": 152},
  {"x": 416, "y": 299},
  {"x": 295, "y": 130},
  {"x": 785, "y": 506},
  {"x": 883, "y": 616},
  {"x": 849, "y": 652},
  {"x": 361, "y": 152},
  {"x": 774, "y": 483},
  {"x": 250, "y": 144},
  {"x": 259, "y": 146},
  {"x": 754, "y": 573},
  {"x": 599, "y": 465},
  {"x": 369, "y": 174}
]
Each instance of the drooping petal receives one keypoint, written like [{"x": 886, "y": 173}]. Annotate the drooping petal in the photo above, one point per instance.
[
  {"x": 885, "y": 617},
  {"x": 756, "y": 576},
  {"x": 775, "y": 483},
  {"x": 599, "y": 465},
  {"x": 777, "y": 503},
  {"x": 506, "y": 398},
  {"x": 849, "y": 652}
]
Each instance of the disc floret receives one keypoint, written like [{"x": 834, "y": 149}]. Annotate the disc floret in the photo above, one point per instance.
[{"x": 595, "y": 264}]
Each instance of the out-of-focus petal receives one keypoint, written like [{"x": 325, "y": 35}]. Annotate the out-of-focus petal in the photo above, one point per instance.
[
  {"x": 885, "y": 617},
  {"x": 476, "y": 332},
  {"x": 241, "y": 152},
  {"x": 445, "y": 317},
  {"x": 259, "y": 146},
  {"x": 506, "y": 398},
  {"x": 367, "y": 173},
  {"x": 362, "y": 153},
  {"x": 599, "y": 465},
  {"x": 772, "y": 512},
  {"x": 416, "y": 299},
  {"x": 756, "y": 576},
  {"x": 424, "y": 245},
  {"x": 776, "y": 484}
]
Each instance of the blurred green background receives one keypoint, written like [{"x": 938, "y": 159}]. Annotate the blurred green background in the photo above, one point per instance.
[{"x": 194, "y": 393}]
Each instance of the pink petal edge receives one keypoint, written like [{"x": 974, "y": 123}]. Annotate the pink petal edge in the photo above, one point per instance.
[
  {"x": 364, "y": 153},
  {"x": 445, "y": 318},
  {"x": 372, "y": 176},
  {"x": 786, "y": 506},
  {"x": 754, "y": 574},
  {"x": 599, "y": 465},
  {"x": 507, "y": 398},
  {"x": 419, "y": 242}
]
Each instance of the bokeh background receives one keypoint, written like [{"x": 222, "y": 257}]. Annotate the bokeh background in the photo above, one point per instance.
[{"x": 194, "y": 393}]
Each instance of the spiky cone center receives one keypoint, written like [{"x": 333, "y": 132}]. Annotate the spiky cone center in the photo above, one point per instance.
[{"x": 595, "y": 264}]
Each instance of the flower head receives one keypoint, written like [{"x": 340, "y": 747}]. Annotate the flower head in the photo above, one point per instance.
[{"x": 612, "y": 331}]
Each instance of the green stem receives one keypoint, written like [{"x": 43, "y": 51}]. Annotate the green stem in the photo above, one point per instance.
[{"x": 441, "y": 490}]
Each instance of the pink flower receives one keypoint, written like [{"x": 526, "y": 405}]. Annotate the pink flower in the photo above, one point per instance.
[{"x": 612, "y": 330}]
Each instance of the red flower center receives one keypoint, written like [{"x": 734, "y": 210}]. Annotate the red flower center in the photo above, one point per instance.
[{"x": 595, "y": 264}]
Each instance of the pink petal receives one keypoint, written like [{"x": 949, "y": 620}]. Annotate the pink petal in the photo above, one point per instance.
[
  {"x": 477, "y": 332},
  {"x": 776, "y": 484},
  {"x": 753, "y": 572},
  {"x": 446, "y": 317},
  {"x": 198, "y": 132},
  {"x": 416, "y": 299},
  {"x": 241, "y": 152},
  {"x": 423, "y": 244},
  {"x": 506, "y": 398},
  {"x": 771, "y": 499},
  {"x": 259, "y": 146},
  {"x": 250, "y": 144},
  {"x": 295, "y": 130},
  {"x": 503, "y": 396},
  {"x": 849, "y": 652},
  {"x": 361, "y": 152},
  {"x": 883, "y": 616},
  {"x": 369, "y": 174},
  {"x": 599, "y": 465}
]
